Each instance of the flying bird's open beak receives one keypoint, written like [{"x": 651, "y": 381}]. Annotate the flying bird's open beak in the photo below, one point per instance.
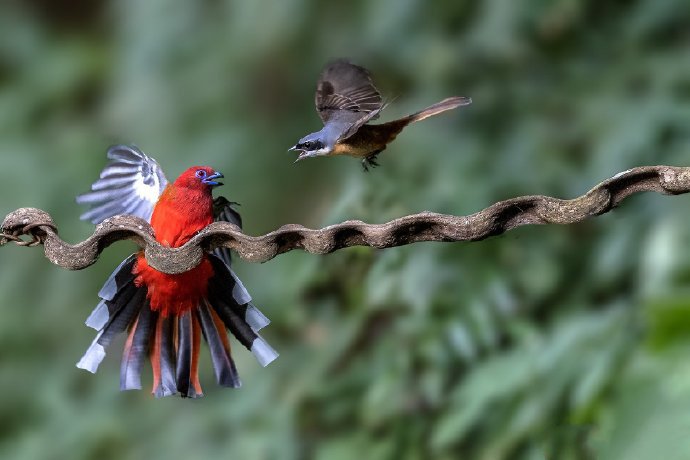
[
  {"x": 210, "y": 180},
  {"x": 304, "y": 154}
]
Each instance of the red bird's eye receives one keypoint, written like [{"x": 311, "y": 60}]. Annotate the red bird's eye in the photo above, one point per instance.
[{"x": 200, "y": 173}]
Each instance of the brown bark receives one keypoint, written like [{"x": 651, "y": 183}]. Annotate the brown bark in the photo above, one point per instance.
[{"x": 426, "y": 226}]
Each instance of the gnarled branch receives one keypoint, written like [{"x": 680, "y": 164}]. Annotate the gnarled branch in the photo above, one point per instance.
[{"x": 425, "y": 226}]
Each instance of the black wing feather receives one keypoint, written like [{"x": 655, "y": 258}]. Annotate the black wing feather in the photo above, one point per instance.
[{"x": 223, "y": 211}]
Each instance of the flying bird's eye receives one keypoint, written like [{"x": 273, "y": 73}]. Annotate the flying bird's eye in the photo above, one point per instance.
[
  {"x": 307, "y": 145},
  {"x": 200, "y": 173}
]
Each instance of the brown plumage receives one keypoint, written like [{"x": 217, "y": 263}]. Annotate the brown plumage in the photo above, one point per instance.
[
  {"x": 346, "y": 101},
  {"x": 370, "y": 140}
]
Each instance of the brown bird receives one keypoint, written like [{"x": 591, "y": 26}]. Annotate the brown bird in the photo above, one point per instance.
[{"x": 347, "y": 100}]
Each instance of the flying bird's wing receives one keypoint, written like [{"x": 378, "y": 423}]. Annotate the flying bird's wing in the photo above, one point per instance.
[
  {"x": 345, "y": 93},
  {"x": 130, "y": 183}
]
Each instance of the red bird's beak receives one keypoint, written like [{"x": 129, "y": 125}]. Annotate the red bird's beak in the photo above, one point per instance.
[{"x": 209, "y": 180}]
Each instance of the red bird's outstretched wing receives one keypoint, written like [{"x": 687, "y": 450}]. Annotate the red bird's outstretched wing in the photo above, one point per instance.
[{"x": 130, "y": 183}]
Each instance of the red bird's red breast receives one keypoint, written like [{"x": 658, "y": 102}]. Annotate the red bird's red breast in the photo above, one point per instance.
[
  {"x": 167, "y": 316},
  {"x": 173, "y": 294},
  {"x": 181, "y": 212}
]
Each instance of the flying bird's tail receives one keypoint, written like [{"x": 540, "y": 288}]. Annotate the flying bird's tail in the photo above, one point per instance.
[
  {"x": 378, "y": 136},
  {"x": 172, "y": 341},
  {"x": 446, "y": 104}
]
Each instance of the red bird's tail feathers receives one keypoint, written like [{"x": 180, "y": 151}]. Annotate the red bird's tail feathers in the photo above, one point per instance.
[{"x": 172, "y": 338}]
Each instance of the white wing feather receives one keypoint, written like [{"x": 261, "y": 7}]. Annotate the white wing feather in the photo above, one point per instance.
[{"x": 130, "y": 183}]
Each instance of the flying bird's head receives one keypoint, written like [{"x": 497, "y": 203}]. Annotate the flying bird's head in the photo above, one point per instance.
[
  {"x": 199, "y": 178},
  {"x": 312, "y": 145}
]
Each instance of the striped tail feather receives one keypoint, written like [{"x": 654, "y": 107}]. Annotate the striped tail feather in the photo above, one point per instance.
[
  {"x": 163, "y": 358},
  {"x": 232, "y": 288},
  {"x": 120, "y": 279},
  {"x": 216, "y": 337},
  {"x": 120, "y": 305},
  {"x": 243, "y": 320},
  {"x": 136, "y": 348},
  {"x": 173, "y": 342},
  {"x": 188, "y": 343},
  {"x": 223, "y": 211},
  {"x": 127, "y": 309}
]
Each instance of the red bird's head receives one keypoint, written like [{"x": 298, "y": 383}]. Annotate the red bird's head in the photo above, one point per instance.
[{"x": 199, "y": 178}]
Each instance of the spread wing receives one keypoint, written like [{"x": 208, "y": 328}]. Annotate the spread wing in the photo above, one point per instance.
[
  {"x": 130, "y": 183},
  {"x": 223, "y": 211},
  {"x": 346, "y": 91}
]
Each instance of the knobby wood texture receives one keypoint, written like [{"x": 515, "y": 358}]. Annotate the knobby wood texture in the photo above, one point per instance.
[{"x": 425, "y": 226}]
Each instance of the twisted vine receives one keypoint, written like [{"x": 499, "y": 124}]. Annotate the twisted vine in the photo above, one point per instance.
[{"x": 426, "y": 226}]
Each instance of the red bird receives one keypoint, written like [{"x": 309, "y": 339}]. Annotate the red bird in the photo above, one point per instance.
[{"x": 166, "y": 315}]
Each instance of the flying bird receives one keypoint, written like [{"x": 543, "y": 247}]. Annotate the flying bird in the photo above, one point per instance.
[
  {"x": 347, "y": 100},
  {"x": 166, "y": 315}
]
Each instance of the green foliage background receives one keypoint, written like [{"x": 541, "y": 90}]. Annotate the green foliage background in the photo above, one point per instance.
[{"x": 548, "y": 342}]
